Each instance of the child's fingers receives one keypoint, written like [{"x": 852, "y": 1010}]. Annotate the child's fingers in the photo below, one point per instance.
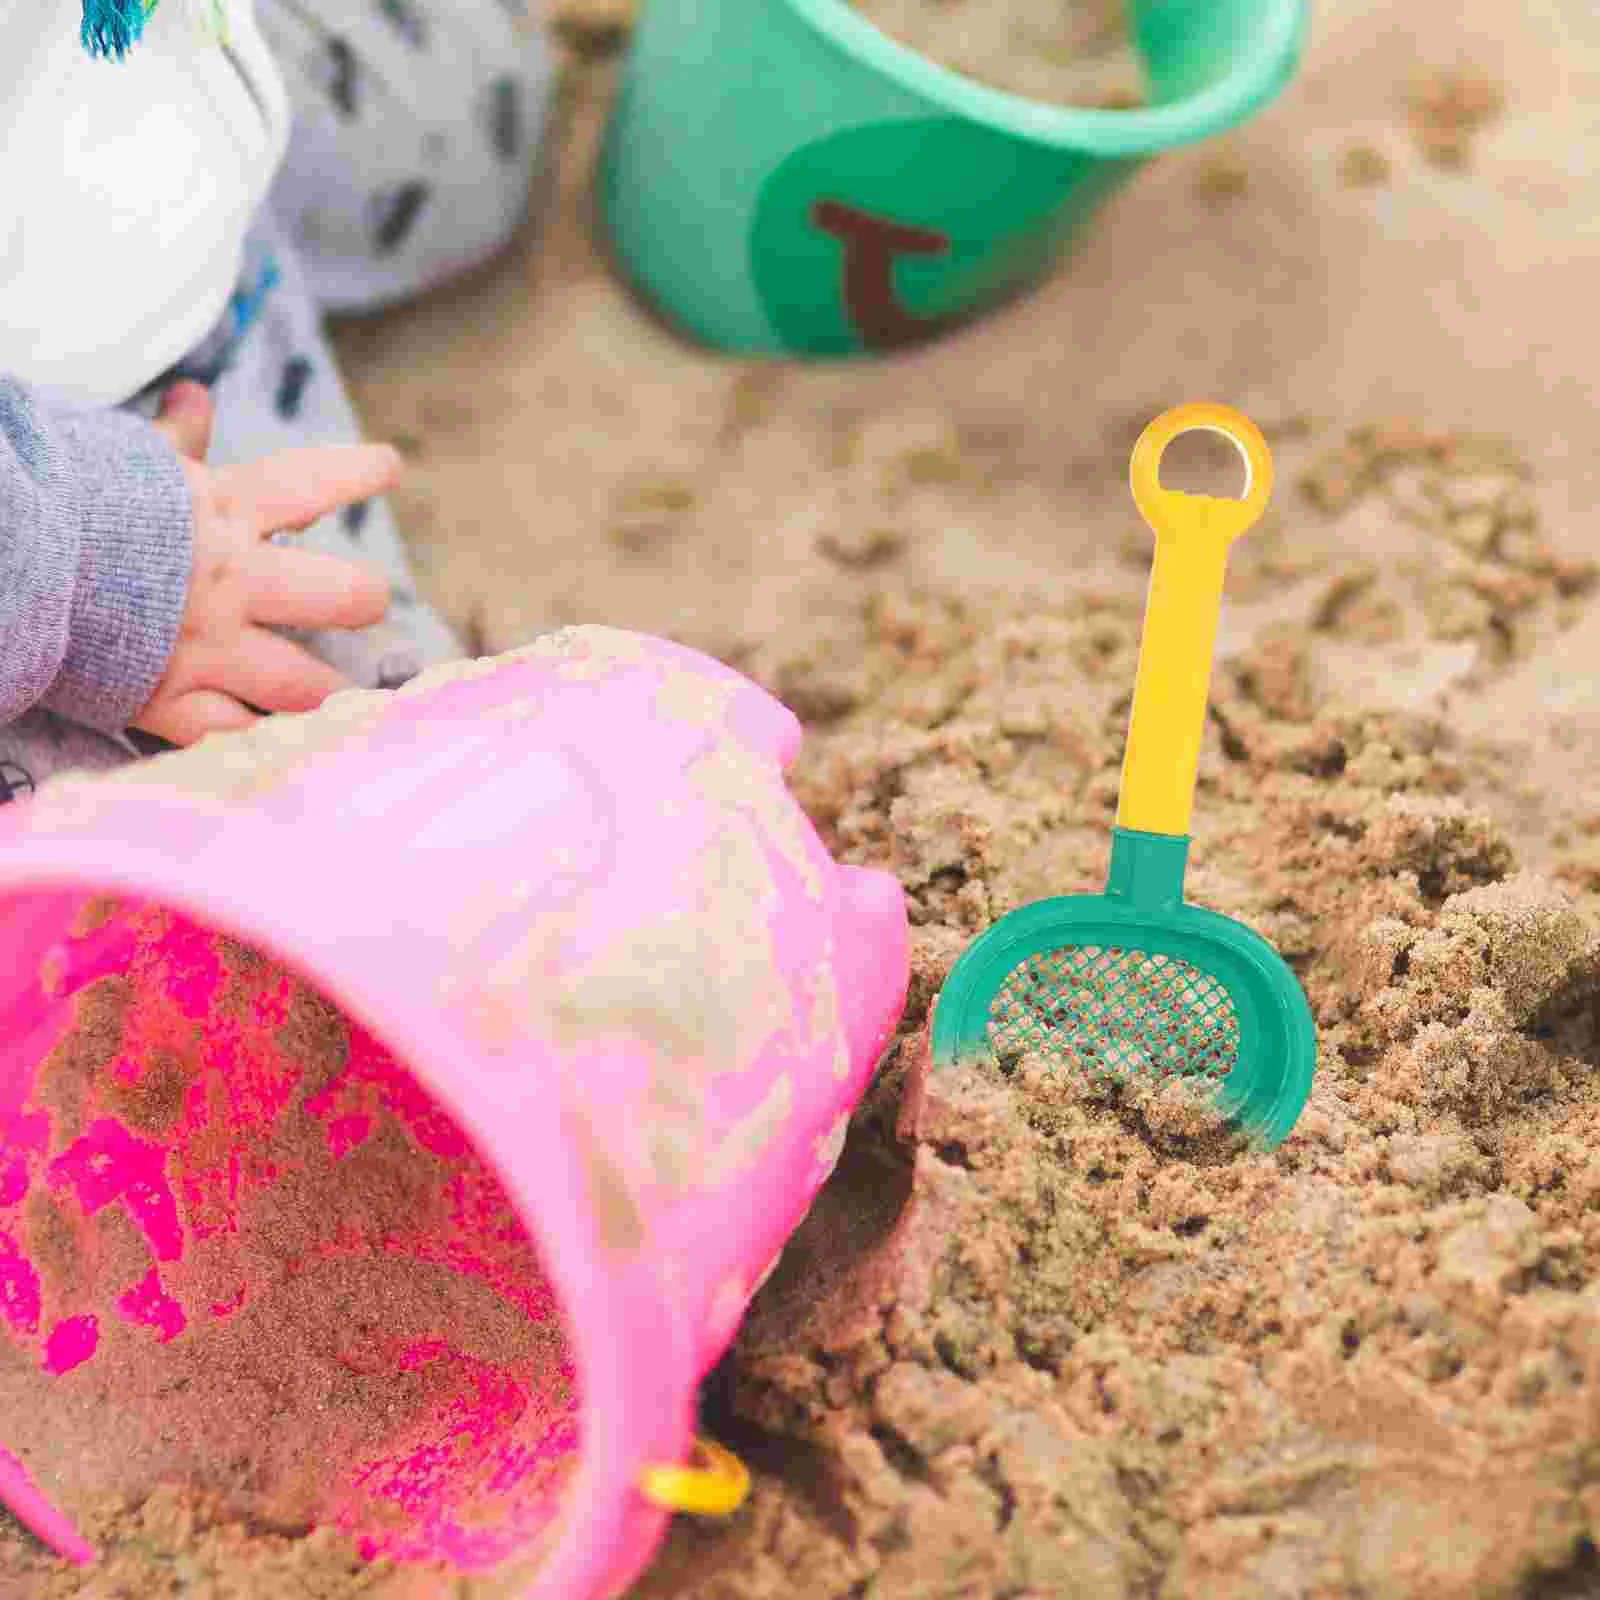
[
  {"x": 187, "y": 718},
  {"x": 270, "y": 672},
  {"x": 290, "y": 588},
  {"x": 295, "y": 488},
  {"x": 186, "y": 417}
]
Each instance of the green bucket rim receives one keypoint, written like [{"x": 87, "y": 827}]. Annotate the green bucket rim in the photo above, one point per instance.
[{"x": 1260, "y": 71}]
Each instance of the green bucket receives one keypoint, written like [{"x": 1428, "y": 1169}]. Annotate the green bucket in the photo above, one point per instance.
[{"x": 781, "y": 178}]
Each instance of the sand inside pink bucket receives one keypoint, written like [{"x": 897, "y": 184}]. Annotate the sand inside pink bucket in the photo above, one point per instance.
[{"x": 253, "y": 1257}]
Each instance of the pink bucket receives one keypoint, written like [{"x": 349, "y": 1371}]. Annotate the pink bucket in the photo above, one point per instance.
[{"x": 431, "y": 1232}]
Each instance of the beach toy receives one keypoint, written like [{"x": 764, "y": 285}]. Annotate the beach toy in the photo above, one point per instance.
[
  {"x": 1134, "y": 981},
  {"x": 400, "y": 1104},
  {"x": 784, "y": 178}
]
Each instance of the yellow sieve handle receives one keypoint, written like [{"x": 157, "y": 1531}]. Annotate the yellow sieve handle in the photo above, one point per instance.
[
  {"x": 1193, "y": 535},
  {"x": 715, "y": 1489}
]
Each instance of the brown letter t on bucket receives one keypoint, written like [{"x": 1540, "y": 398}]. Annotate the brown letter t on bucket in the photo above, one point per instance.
[{"x": 870, "y": 247}]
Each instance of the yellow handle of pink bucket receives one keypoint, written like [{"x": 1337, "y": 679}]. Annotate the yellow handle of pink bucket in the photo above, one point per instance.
[
  {"x": 1193, "y": 534},
  {"x": 716, "y": 1489}
]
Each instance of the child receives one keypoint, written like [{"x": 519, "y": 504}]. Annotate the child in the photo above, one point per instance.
[{"x": 171, "y": 421}]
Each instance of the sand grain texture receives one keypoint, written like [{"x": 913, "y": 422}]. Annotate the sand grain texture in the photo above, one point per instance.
[{"x": 1063, "y": 52}]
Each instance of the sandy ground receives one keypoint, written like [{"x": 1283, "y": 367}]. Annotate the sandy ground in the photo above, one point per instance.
[{"x": 1038, "y": 1340}]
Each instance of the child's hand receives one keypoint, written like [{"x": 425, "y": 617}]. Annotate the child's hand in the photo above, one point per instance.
[{"x": 226, "y": 667}]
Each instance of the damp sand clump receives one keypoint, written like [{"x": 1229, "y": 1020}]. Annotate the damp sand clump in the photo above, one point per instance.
[{"x": 1048, "y": 1336}]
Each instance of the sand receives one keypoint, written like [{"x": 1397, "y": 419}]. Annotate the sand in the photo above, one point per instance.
[
  {"x": 1066, "y": 52},
  {"x": 1041, "y": 1338},
  {"x": 309, "y": 1322}
]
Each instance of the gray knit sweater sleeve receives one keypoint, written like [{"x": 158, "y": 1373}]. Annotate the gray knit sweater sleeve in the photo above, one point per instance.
[{"x": 96, "y": 541}]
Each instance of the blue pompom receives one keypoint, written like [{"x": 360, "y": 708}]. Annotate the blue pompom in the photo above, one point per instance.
[{"x": 112, "y": 27}]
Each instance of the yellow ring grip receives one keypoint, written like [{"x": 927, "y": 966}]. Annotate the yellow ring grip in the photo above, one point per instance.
[
  {"x": 716, "y": 1489},
  {"x": 1174, "y": 513}
]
